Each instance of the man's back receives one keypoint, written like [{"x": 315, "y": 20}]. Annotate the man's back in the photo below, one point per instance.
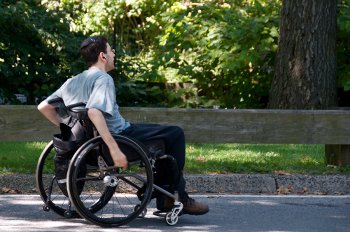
[
  {"x": 79, "y": 88},
  {"x": 95, "y": 88}
]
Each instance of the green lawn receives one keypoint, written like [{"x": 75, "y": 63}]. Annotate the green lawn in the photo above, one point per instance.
[
  {"x": 248, "y": 158},
  {"x": 21, "y": 157}
]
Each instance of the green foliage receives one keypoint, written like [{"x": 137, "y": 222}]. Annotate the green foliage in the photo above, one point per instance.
[
  {"x": 35, "y": 49},
  {"x": 131, "y": 27},
  {"x": 130, "y": 24},
  {"x": 343, "y": 45},
  {"x": 222, "y": 50},
  {"x": 133, "y": 93},
  {"x": 226, "y": 51},
  {"x": 225, "y": 48}
]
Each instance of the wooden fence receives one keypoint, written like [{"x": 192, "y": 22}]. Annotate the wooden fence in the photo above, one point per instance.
[{"x": 329, "y": 127}]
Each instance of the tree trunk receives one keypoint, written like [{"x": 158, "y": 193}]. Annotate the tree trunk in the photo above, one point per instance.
[{"x": 305, "y": 76}]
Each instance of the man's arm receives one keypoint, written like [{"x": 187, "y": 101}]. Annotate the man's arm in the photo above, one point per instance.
[
  {"x": 99, "y": 121},
  {"x": 49, "y": 112}
]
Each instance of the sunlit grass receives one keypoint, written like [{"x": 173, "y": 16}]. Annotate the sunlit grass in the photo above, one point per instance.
[
  {"x": 244, "y": 158},
  {"x": 21, "y": 157}
]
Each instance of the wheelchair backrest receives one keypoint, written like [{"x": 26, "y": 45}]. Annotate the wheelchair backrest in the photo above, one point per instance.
[{"x": 77, "y": 112}]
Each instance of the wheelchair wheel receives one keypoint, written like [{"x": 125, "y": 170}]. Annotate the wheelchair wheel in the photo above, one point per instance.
[
  {"x": 47, "y": 185},
  {"x": 109, "y": 196}
]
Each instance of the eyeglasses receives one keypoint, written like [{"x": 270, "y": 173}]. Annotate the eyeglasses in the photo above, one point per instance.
[{"x": 88, "y": 42}]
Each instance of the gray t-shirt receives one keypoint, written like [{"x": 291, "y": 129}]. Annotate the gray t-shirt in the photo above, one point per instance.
[{"x": 95, "y": 88}]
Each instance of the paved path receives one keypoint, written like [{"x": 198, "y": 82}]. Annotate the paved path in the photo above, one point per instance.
[{"x": 227, "y": 213}]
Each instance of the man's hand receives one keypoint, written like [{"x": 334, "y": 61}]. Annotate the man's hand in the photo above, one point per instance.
[{"x": 119, "y": 158}]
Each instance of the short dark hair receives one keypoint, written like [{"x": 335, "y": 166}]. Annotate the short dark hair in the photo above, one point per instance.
[{"x": 91, "y": 47}]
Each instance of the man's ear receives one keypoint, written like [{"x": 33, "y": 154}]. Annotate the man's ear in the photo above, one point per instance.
[{"x": 102, "y": 56}]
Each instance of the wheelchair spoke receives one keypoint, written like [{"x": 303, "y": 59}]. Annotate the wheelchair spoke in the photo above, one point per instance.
[
  {"x": 130, "y": 183},
  {"x": 95, "y": 178}
]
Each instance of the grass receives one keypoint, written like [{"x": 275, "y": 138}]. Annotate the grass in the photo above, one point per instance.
[
  {"x": 259, "y": 158},
  {"x": 21, "y": 157}
]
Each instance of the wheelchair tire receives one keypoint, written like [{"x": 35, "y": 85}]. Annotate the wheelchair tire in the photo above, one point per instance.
[
  {"x": 47, "y": 185},
  {"x": 110, "y": 196}
]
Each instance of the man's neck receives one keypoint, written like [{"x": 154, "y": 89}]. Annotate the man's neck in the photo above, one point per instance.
[{"x": 96, "y": 66}]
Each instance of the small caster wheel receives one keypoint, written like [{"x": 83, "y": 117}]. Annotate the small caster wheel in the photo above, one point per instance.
[
  {"x": 68, "y": 214},
  {"x": 171, "y": 219},
  {"x": 46, "y": 208}
]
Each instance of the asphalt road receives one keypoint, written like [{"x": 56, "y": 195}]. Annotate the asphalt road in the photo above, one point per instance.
[{"x": 227, "y": 213}]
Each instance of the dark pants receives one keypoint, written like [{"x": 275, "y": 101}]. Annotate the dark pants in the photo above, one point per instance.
[{"x": 173, "y": 138}]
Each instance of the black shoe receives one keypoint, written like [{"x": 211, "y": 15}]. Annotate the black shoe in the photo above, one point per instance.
[{"x": 193, "y": 207}]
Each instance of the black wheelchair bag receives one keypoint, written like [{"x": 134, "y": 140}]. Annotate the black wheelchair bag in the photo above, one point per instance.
[{"x": 66, "y": 144}]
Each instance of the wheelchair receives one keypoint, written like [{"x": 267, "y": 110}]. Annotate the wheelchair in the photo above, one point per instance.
[{"x": 96, "y": 190}]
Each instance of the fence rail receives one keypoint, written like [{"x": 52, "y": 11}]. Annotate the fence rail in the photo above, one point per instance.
[
  {"x": 25, "y": 123},
  {"x": 329, "y": 127}
]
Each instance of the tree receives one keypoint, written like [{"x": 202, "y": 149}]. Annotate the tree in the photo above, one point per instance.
[{"x": 305, "y": 76}]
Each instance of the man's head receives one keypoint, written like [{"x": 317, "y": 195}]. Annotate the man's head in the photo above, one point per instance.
[{"x": 97, "y": 50}]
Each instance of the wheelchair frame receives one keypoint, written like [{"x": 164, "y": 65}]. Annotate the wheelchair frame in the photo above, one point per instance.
[{"x": 109, "y": 196}]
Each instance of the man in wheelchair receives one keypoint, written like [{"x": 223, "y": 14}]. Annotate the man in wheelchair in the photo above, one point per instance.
[{"x": 96, "y": 88}]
